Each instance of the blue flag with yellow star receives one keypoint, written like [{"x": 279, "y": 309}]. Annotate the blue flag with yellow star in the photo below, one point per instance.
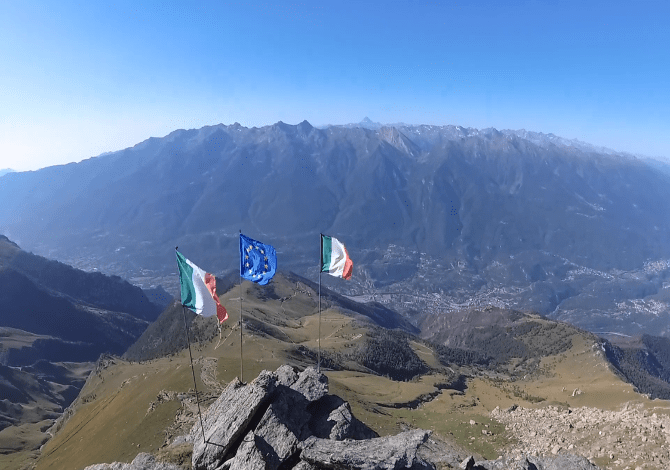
[{"x": 258, "y": 261}]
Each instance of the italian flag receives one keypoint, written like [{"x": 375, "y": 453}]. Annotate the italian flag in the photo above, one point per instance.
[
  {"x": 335, "y": 258},
  {"x": 198, "y": 290}
]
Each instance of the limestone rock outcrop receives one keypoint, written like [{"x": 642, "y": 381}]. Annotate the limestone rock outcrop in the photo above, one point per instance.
[
  {"x": 283, "y": 419},
  {"x": 227, "y": 419},
  {"x": 381, "y": 453}
]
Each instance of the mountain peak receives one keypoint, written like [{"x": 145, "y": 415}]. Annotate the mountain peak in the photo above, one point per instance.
[
  {"x": 281, "y": 125},
  {"x": 8, "y": 249},
  {"x": 305, "y": 127},
  {"x": 367, "y": 123},
  {"x": 4, "y": 239}
]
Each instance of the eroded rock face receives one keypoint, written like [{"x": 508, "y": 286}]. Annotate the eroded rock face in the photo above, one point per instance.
[
  {"x": 381, "y": 453},
  {"x": 228, "y": 418},
  {"x": 265, "y": 424},
  {"x": 276, "y": 437},
  {"x": 331, "y": 418}
]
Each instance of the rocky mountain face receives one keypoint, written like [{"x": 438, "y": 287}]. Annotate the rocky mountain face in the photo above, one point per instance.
[{"x": 436, "y": 218}]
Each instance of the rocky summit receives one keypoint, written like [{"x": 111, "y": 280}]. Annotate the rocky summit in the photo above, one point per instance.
[{"x": 288, "y": 420}]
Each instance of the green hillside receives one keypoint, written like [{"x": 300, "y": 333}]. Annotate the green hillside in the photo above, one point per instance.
[{"x": 392, "y": 379}]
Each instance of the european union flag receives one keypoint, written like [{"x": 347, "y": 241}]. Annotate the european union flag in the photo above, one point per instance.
[{"x": 258, "y": 261}]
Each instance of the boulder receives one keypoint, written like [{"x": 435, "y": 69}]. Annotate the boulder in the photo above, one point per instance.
[
  {"x": 347, "y": 426},
  {"x": 312, "y": 384},
  {"x": 381, "y": 453},
  {"x": 228, "y": 419},
  {"x": 271, "y": 413},
  {"x": 331, "y": 418},
  {"x": 560, "y": 462},
  {"x": 286, "y": 375},
  {"x": 276, "y": 437}
]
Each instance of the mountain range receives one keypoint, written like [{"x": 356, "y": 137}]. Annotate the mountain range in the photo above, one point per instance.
[{"x": 438, "y": 219}]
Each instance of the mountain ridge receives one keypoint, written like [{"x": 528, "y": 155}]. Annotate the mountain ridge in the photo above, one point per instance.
[{"x": 462, "y": 213}]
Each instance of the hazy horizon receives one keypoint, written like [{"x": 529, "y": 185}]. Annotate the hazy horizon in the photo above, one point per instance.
[{"x": 86, "y": 79}]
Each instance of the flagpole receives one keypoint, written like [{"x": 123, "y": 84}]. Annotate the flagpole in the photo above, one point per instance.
[
  {"x": 258, "y": 263},
  {"x": 318, "y": 364},
  {"x": 195, "y": 385},
  {"x": 241, "y": 362},
  {"x": 190, "y": 355}
]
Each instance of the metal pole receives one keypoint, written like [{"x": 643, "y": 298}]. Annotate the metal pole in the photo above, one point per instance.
[
  {"x": 195, "y": 385},
  {"x": 318, "y": 364},
  {"x": 241, "y": 267},
  {"x": 241, "y": 362}
]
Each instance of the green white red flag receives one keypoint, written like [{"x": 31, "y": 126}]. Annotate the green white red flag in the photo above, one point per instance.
[
  {"x": 198, "y": 290},
  {"x": 335, "y": 258}
]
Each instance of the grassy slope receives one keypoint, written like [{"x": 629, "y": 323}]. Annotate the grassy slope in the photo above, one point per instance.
[
  {"x": 19, "y": 443},
  {"x": 11, "y": 338},
  {"x": 112, "y": 423}
]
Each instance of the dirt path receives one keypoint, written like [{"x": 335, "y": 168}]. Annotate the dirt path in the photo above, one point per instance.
[{"x": 208, "y": 374}]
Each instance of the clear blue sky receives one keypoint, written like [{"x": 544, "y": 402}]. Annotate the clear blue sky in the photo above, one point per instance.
[{"x": 81, "y": 78}]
